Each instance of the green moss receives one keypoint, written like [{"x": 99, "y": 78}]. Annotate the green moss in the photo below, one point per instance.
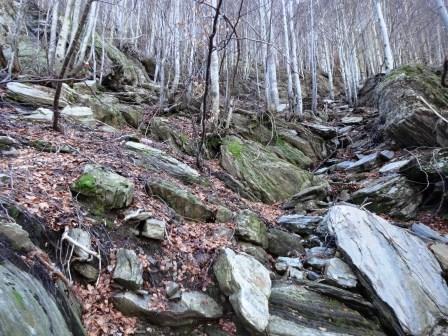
[
  {"x": 423, "y": 79},
  {"x": 18, "y": 299},
  {"x": 183, "y": 139},
  {"x": 85, "y": 183},
  {"x": 235, "y": 148},
  {"x": 14, "y": 212}
]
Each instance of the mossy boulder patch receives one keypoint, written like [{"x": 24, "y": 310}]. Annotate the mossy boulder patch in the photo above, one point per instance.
[
  {"x": 269, "y": 177},
  {"x": 103, "y": 189},
  {"x": 250, "y": 228},
  {"x": 162, "y": 130},
  {"x": 404, "y": 116},
  {"x": 291, "y": 154},
  {"x": 183, "y": 201}
]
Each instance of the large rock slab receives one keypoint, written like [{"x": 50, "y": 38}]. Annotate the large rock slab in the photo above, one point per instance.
[
  {"x": 192, "y": 307},
  {"x": 270, "y": 178},
  {"x": 398, "y": 270},
  {"x": 160, "y": 161},
  {"x": 31, "y": 94},
  {"x": 104, "y": 189},
  {"x": 307, "y": 312},
  {"x": 392, "y": 195},
  {"x": 26, "y": 308},
  {"x": 248, "y": 285},
  {"x": 403, "y": 116},
  {"x": 183, "y": 201}
]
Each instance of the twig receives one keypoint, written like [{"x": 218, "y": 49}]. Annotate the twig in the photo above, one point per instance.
[{"x": 432, "y": 108}]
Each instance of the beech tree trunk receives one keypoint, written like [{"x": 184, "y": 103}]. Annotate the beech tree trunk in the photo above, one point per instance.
[
  {"x": 67, "y": 59},
  {"x": 388, "y": 56},
  {"x": 441, "y": 8},
  {"x": 214, "y": 79}
]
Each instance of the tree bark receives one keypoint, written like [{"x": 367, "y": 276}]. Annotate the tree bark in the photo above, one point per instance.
[
  {"x": 67, "y": 59},
  {"x": 214, "y": 77},
  {"x": 388, "y": 56},
  {"x": 441, "y": 8}
]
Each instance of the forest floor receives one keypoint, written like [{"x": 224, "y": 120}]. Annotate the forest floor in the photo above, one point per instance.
[{"x": 40, "y": 182}]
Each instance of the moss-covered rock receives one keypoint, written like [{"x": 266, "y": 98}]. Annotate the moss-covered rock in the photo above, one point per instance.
[
  {"x": 404, "y": 117},
  {"x": 270, "y": 178},
  {"x": 120, "y": 69},
  {"x": 291, "y": 154},
  {"x": 27, "y": 308},
  {"x": 104, "y": 108},
  {"x": 162, "y": 130},
  {"x": 132, "y": 114},
  {"x": 282, "y": 243},
  {"x": 251, "y": 228},
  {"x": 103, "y": 189},
  {"x": 183, "y": 201}
]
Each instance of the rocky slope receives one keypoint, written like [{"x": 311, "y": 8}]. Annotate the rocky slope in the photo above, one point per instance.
[{"x": 110, "y": 223}]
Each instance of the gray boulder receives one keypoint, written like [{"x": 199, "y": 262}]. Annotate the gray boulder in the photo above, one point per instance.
[
  {"x": 248, "y": 285},
  {"x": 441, "y": 253},
  {"x": 255, "y": 251},
  {"x": 397, "y": 269},
  {"x": 104, "y": 189},
  {"x": 283, "y": 243},
  {"x": 128, "y": 270},
  {"x": 192, "y": 307},
  {"x": 282, "y": 264},
  {"x": 183, "y": 201},
  {"x": 310, "y": 313},
  {"x": 158, "y": 160},
  {"x": 154, "y": 229},
  {"x": 403, "y": 115},
  {"x": 31, "y": 94},
  {"x": 15, "y": 235},
  {"x": 300, "y": 224},
  {"x": 392, "y": 195}
]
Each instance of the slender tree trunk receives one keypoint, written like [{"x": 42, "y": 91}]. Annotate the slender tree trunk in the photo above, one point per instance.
[
  {"x": 211, "y": 46},
  {"x": 287, "y": 57},
  {"x": 176, "y": 20},
  {"x": 63, "y": 35},
  {"x": 271, "y": 67},
  {"x": 214, "y": 79},
  {"x": 75, "y": 20},
  {"x": 298, "y": 100},
  {"x": 53, "y": 33},
  {"x": 388, "y": 56},
  {"x": 87, "y": 36},
  {"x": 70, "y": 53},
  {"x": 313, "y": 61},
  {"x": 191, "y": 57},
  {"x": 329, "y": 64},
  {"x": 441, "y": 8}
]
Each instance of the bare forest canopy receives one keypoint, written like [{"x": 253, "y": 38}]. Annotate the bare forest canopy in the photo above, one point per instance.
[{"x": 272, "y": 42}]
